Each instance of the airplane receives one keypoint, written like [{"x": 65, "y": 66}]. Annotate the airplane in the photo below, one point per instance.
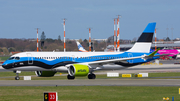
[
  {"x": 172, "y": 52},
  {"x": 46, "y": 64},
  {"x": 80, "y": 47}
]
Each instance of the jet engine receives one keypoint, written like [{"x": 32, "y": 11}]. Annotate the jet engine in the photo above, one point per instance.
[
  {"x": 78, "y": 70},
  {"x": 45, "y": 73}
]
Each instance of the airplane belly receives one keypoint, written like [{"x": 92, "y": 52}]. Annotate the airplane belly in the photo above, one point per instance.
[
  {"x": 61, "y": 69},
  {"x": 30, "y": 68},
  {"x": 110, "y": 67}
]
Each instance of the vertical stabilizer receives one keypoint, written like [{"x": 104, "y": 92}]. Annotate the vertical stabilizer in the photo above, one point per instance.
[
  {"x": 144, "y": 42},
  {"x": 80, "y": 47}
]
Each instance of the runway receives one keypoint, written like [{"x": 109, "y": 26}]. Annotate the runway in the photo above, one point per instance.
[
  {"x": 96, "y": 82},
  {"x": 145, "y": 69},
  {"x": 169, "y": 67}
]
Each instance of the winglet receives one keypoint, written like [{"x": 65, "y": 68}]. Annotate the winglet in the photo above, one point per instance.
[{"x": 153, "y": 53}]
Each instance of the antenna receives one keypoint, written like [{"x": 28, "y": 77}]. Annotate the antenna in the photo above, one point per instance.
[
  {"x": 64, "y": 35},
  {"x": 167, "y": 30},
  {"x": 90, "y": 39},
  {"x": 118, "y": 41},
  {"x": 37, "y": 40},
  {"x": 172, "y": 32},
  {"x": 155, "y": 39},
  {"x": 114, "y": 35}
]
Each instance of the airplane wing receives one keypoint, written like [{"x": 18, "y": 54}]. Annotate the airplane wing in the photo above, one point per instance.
[{"x": 102, "y": 62}]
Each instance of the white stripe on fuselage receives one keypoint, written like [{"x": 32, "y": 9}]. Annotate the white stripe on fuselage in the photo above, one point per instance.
[{"x": 65, "y": 54}]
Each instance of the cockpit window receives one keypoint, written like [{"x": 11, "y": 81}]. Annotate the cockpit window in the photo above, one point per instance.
[
  {"x": 11, "y": 58},
  {"x": 17, "y": 58}
]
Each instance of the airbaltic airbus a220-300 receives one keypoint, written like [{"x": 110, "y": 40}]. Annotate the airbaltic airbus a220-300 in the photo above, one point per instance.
[{"x": 46, "y": 64}]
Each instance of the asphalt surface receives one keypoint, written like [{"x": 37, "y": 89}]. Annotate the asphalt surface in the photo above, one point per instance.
[{"x": 96, "y": 82}]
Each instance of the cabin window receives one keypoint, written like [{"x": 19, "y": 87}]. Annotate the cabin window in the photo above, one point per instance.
[{"x": 17, "y": 58}]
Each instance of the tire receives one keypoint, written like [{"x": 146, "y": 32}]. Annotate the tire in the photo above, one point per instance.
[
  {"x": 91, "y": 76},
  {"x": 17, "y": 78},
  {"x": 70, "y": 77}
]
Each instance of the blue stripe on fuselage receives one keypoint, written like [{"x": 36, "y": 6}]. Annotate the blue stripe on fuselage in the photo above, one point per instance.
[{"x": 87, "y": 59}]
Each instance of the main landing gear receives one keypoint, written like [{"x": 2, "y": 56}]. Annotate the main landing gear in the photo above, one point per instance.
[
  {"x": 69, "y": 77},
  {"x": 17, "y": 75},
  {"x": 91, "y": 76}
]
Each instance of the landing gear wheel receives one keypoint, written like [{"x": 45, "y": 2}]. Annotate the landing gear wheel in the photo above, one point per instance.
[
  {"x": 91, "y": 76},
  {"x": 17, "y": 75},
  {"x": 17, "y": 78},
  {"x": 70, "y": 77}
]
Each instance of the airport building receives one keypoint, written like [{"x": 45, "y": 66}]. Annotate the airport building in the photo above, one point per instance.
[{"x": 161, "y": 45}]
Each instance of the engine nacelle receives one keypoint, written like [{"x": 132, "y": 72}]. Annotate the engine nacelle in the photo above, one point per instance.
[
  {"x": 45, "y": 73},
  {"x": 78, "y": 70}
]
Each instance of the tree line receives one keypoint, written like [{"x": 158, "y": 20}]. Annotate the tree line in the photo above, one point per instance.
[{"x": 48, "y": 44}]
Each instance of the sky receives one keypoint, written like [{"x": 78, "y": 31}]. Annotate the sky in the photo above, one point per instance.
[{"x": 20, "y": 18}]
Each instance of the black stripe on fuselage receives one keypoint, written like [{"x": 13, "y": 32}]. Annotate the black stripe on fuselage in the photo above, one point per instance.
[
  {"x": 146, "y": 37},
  {"x": 36, "y": 63}
]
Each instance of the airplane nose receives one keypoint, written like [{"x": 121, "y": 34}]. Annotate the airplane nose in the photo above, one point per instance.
[{"x": 6, "y": 66}]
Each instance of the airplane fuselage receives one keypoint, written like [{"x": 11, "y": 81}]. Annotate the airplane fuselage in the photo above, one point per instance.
[{"x": 56, "y": 61}]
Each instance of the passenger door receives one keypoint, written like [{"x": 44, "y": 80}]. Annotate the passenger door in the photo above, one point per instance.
[{"x": 30, "y": 58}]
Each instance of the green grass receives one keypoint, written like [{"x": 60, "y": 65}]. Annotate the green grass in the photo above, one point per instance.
[
  {"x": 4, "y": 58},
  {"x": 11, "y": 75},
  {"x": 87, "y": 93},
  {"x": 90, "y": 93},
  {"x": 5, "y": 74}
]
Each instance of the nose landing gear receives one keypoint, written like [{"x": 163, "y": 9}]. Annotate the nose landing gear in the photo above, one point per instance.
[{"x": 17, "y": 75}]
